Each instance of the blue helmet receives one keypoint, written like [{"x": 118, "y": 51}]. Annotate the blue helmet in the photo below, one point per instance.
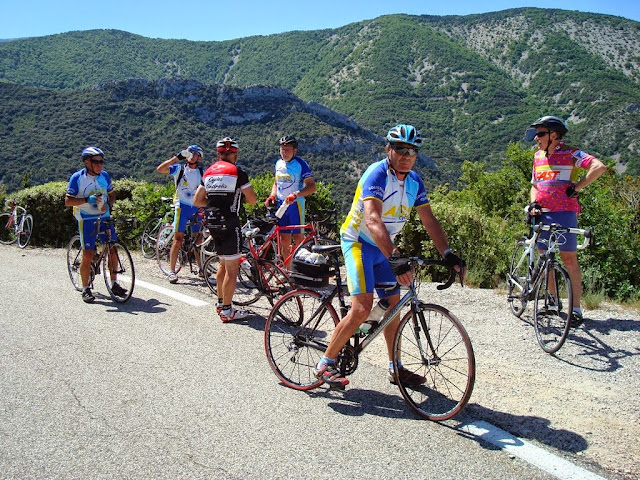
[
  {"x": 405, "y": 134},
  {"x": 90, "y": 152},
  {"x": 554, "y": 124},
  {"x": 196, "y": 149}
]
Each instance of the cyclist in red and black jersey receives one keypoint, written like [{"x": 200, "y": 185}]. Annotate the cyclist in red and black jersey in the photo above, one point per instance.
[{"x": 224, "y": 184}]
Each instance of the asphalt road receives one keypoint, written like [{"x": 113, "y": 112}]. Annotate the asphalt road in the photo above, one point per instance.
[{"x": 158, "y": 388}]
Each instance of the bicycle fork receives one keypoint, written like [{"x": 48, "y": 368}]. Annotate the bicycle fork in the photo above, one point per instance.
[{"x": 419, "y": 323}]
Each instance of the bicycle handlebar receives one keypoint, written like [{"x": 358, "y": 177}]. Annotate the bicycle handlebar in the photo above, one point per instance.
[
  {"x": 427, "y": 262},
  {"x": 554, "y": 227}
]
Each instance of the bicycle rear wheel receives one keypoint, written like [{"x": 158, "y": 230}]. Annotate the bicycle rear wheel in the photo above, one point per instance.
[
  {"x": 552, "y": 308},
  {"x": 122, "y": 268},
  {"x": 296, "y": 335},
  {"x": 149, "y": 237},
  {"x": 25, "y": 235},
  {"x": 74, "y": 260},
  {"x": 163, "y": 249},
  {"x": 247, "y": 290},
  {"x": 517, "y": 279},
  {"x": 7, "y": 229},
  {"x": 432, "y": 343},
  {"x": 210, "y": 272}
]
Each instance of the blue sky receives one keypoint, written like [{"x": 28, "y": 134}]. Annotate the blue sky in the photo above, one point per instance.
[{"x": 216, "y": 20}]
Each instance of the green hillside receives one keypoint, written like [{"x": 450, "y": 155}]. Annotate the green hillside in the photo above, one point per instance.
[{"x": 470, "y": 83}]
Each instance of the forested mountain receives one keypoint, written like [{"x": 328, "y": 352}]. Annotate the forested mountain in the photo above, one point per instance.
[{"x": 470, "y": 83}]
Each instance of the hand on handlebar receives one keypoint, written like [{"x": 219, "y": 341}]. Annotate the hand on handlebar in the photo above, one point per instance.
[{"x": 270, "y": 201}]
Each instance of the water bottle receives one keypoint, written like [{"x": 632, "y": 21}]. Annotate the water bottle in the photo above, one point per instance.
[
  {"x": 377, "y": 313},
  {"x": 281, "y": 210}
]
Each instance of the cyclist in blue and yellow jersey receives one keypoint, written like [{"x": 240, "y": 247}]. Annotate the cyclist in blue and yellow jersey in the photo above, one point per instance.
[
  {"x": 385, "y": 194},
  {"x": 90, "y": 193},
  {"x": 554, "y": 192},
  {"x": 187, "y": 177},
  {"x": 292, "y": 183}
]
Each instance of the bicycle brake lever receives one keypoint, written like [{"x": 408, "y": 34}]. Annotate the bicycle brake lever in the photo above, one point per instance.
[{"x": 450, "y": 280}]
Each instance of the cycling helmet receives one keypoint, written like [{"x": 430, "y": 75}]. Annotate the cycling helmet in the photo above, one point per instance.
[
  {"x": 196, "y": 149},
  {"x": 554, "y": 124},
  {"x": 405, "y": 134},
  {"x": 91, "y": 152},
  {"x": 288, "y": 140},
  {"x": 227, "y": 143}
]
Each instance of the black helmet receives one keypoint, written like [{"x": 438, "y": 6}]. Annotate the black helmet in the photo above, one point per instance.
[
  {"x": 554, "y": 124},
  {"x": 288, "y": 140}
]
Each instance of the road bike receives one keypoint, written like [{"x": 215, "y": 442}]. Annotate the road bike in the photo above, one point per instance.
[
  {"x": 200, "y": 244},
  {"x": 257, "y": 276},
  {"x": 113, "y": 259},
  {"x": 430, "y": 341},
  {"x": 545, "y": 282},
  {"x": 16, "y": 226},
  {"x": 149, "y": 237}
]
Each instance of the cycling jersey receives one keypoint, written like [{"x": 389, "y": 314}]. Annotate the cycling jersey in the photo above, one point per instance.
[
  {"x": 224, "y": 183},
  {"x": 552, "y": 175},
  {"x": 290, "y": 177},
  {"x": 187, "y": 183},
  {"x": 81, "y": 184},
  {"x": 397, "y": 196}
]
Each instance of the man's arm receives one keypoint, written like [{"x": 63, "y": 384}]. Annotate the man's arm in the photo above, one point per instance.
[
  {"x": 433, "y": 228},
  {"x": 309, "y": 187},
  {"x": 200, "y": 199},
  {"x": 164, "y": 166},
  {"x": 596, "y": 169},
  {"x": 373, "y": 221},
  {"x": 249, "y": 195}
]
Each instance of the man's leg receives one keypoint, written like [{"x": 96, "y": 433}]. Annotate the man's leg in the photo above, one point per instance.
[
  {"x": 360, "y": 308},
  {"x": 570, "y": 260},
  {"x": 285, "y": 246},
  {"x": 178, "y": 239}
]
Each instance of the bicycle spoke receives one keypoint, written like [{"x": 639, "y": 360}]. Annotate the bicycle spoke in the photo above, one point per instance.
[{"x": 552, "y": 309}]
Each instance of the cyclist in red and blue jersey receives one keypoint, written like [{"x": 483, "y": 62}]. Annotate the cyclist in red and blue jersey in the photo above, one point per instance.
[
  {"x": 90, "y": 193},
  {"x": 384, "y": 197},
  {"x": 293, "y": 182},
  {"x": 554, "y": 191},
  {"x": 187, "y": 177}
]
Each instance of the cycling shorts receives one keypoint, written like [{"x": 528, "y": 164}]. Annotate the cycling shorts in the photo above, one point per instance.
[
  {"x": 183, "y": 214},
  {"x": 88, "y": 234},
  {"x": 228, "y": 244},
  {"x": 366, "y": 266},
  {"x": 294, "y": 215},
  {"x": 566, "y": 241}
]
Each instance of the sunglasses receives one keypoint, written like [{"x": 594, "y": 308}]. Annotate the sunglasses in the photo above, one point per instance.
[
  {"x": 224, "y": 150},
  {"x": 404, "y": 150},
  {"x": 99, "y": 162},
  {"x": 541, "y": 134}
]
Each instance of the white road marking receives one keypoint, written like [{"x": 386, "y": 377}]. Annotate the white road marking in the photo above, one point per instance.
[
  {"x": 552, "y": 464},
  {"x": 170, "y": 293}
]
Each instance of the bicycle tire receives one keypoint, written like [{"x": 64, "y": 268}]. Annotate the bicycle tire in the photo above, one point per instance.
[
  {"x": 276, "y": 281},
  {"x": 149, "y": 237},
  {"x": 7, "y": 229},
  {"x": 247, "y": 290},
  {"x": 210, "y": 272},
  {"x": 163, "y": 249},
  {"x": 124, "y": 269},
  {"x": 432, "y": 342},
  {"x": 74, "y": 260},
  {"x": 295, "y": 339},
  {"x": 517, "y": 280},
  {"x": 27, "y": 229},
  {"x": 552, "y": 323}
]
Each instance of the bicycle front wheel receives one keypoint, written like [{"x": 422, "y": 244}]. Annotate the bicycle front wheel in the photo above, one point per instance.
[
  {"x": 7, "y": 229},
  {"x": 163, "y": 249},
  {"x": 117, "y": 266},
  {"x": 74, "y": 260},
  {"x": 25, "y": 234},
  {"x": 517, "y": 279},
  {"x": 296, "y": 335},
  {"x": 432, "y": 343},
  {"x": 149, "y": 237},
  {"x": 552, "y": 309}
]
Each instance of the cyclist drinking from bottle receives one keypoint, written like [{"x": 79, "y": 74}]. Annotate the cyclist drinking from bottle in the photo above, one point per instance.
[{"x": 385, "y": 194}]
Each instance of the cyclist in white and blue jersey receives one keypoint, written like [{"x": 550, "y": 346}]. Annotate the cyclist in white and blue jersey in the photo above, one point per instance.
[
  {"x": 293, "y": 182},
  {"x": 385, "y": 194},
  {"x": 90, "y": 193}
]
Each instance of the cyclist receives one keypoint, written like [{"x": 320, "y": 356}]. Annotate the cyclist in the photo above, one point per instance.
[
  {"x": 224, "y": 183},
  {"x": 293, "y": 182},
  {"x": 554, "y": 191},
  {"x": 187, "y": 178},
  {"x": 90, "y": 193},
  {"x": 385, "y": 194}
]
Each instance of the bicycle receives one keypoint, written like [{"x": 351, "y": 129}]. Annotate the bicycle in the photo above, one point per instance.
[
  {"x": 149, "y": 237},
  {"x": 202, "y": 244},
  {"x": 257, "y": 276},
  {"x": 16, "y": 226},
  {"x": 113, "y": 259},
  {"x": 545, "y": 282},
  {"x": 430, "y": 341}
]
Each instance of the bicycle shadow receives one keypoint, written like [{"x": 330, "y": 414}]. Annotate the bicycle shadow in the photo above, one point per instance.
[
  {"x": 522, "y": 426},
  {"x": 133, "y": 306},
  {"x": 586, "y": 347},
  {"x": 357, "y": 402}
]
